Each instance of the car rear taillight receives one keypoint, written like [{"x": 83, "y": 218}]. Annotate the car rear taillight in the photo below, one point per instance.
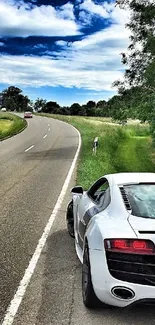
[{"x": 137, "y": 246}]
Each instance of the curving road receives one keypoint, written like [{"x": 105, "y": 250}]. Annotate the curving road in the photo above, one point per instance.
[
  {"x": 31, "y": 179},
  {"x": 33, "y": 168}
]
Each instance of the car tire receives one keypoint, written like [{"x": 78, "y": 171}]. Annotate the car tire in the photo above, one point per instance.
[
  {"x": 70, "y": 219},
  {"x": 89, "y": 298}
]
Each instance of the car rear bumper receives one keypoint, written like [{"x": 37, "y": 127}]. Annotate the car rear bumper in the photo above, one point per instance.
[{"x": 104, "y": 283}]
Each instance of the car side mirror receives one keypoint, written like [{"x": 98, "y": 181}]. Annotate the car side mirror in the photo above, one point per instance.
[{"x": 77, "y": 190}]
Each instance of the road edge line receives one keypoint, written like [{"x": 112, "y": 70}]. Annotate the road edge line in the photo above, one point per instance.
[{"x": 18, "y": 297}]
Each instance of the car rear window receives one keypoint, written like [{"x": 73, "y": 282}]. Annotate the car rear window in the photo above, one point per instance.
[{"x": 142, "y": 199}]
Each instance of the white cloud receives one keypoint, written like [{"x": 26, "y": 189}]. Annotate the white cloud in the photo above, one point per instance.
[
  {"x": 61, "y": 43},
  {"x": 23, "y": 21},
  {"x": 40, "y": 46},
  {"x": 85, "y": 17},
  {"x": 36, "y": 72},
  {"x": 92, "y": 63},
  {"x": 114, "y": 35},
  {"x": 66, "y": 11},
  {"x": 2, "y": 44},
  {"x": 90, "y": 6},
  {"x": 104, "y": 10}
]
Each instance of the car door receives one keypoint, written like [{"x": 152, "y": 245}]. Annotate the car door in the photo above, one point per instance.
[{"x": 90, "y": 204}]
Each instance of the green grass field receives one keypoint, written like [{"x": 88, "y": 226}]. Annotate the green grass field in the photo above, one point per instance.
[
  {"x": 10, "y": 125},
  {"x": 121, "y": 149}
]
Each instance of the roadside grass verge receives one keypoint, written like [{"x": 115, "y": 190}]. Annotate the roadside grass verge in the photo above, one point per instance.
[
  {"x": 121, "y": 149},
  {"x": 10, "y": 125}
]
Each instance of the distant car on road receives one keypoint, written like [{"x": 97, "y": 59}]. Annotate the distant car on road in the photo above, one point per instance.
[
  {"x": 114, "y": 228},
  {"x": 28, "y": 115}
]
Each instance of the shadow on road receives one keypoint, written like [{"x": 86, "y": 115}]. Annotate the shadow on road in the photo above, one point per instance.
[
  {"x": 59, "y": 274},
  {"x": 53, "y": 154}
]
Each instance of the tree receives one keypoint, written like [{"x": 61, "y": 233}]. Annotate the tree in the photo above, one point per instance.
[
  {"x": 11, "y": 92},
  {"x": 102, "y": 109},
  {"x": 77, "y": 109},
  {"x": 13, "y": 99},
  {"x": 91, "y": 104},
  {"x": 141, "y": 56},
  {"x": 90, "y": 108},
  {"x": 141, "y": 50},
  {"x": 30, "y": 105},
  {"x": 52, "y": 108},
  {"x": 39, "y": 104},
  {"x": 101, "y": 103},
  {"x": 65, "y": 110},
  {"x": 10, "y": 104},
  {"x": 115, "y": 107},
  {"x": 22, "y": 103}
]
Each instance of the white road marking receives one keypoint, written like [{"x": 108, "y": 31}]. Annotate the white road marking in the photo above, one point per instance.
[
  {"x": 17, "y": 299},
  {"x": 49, "y": 129},
  {"x": 48, "y": 124},
  {"x": 29, "y": 148},
  {"x": 44, "y": 136}
]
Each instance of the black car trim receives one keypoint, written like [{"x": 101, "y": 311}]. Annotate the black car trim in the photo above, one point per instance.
[
  {"x": 133, "y": 268},
  {"x": 80, "y": 241},
  {"x": 82, "y": 229},
  {"x": 90, "y": 213},
  {"x": 147, "y": 232}
]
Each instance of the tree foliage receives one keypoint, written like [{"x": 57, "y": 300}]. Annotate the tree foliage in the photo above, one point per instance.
[
  {"x": 75, "y": 109},
  {"x": 39, "y": 104},
  {"x": 141, "y": 50},
  {"x": 139, "y": 77},
  {"x": 52, "y": 108},
  {"x": 13, "y": 99}
]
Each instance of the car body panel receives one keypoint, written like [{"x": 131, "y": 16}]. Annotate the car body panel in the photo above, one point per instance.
[
  {"x": 131, "y": 178},
  {"x": 143, "y": 227},
  {"x": 103, "y": 283},
  {"x": 94, "y": 224},
  {"x": 142, "y": 224},
  {"x": 108, "y": 229}
]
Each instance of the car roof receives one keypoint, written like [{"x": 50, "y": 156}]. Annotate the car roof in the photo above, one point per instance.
[{"x": 130, "y": 178}]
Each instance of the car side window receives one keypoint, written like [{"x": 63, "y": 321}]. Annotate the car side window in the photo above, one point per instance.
[
  {"x": 105, "y": 200},
  {"x": 100, "y": 192}
]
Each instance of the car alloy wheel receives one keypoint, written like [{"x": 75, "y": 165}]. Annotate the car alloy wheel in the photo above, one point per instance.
[{"x": 89, "y": 298}]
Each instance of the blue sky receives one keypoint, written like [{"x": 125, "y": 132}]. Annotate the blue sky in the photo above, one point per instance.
[{"x": 66, "y": 51}]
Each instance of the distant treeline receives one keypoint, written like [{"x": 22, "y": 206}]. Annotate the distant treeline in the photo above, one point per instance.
[{"x": 136, "y": 102}]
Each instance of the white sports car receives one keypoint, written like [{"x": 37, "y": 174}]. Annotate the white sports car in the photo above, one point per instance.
[{"x": 114, "y": 228}]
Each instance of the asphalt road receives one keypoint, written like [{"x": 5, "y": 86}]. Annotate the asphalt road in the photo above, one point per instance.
[
  {"x": 53, "y": 296},
  {"x": 33, "y": 167}
]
